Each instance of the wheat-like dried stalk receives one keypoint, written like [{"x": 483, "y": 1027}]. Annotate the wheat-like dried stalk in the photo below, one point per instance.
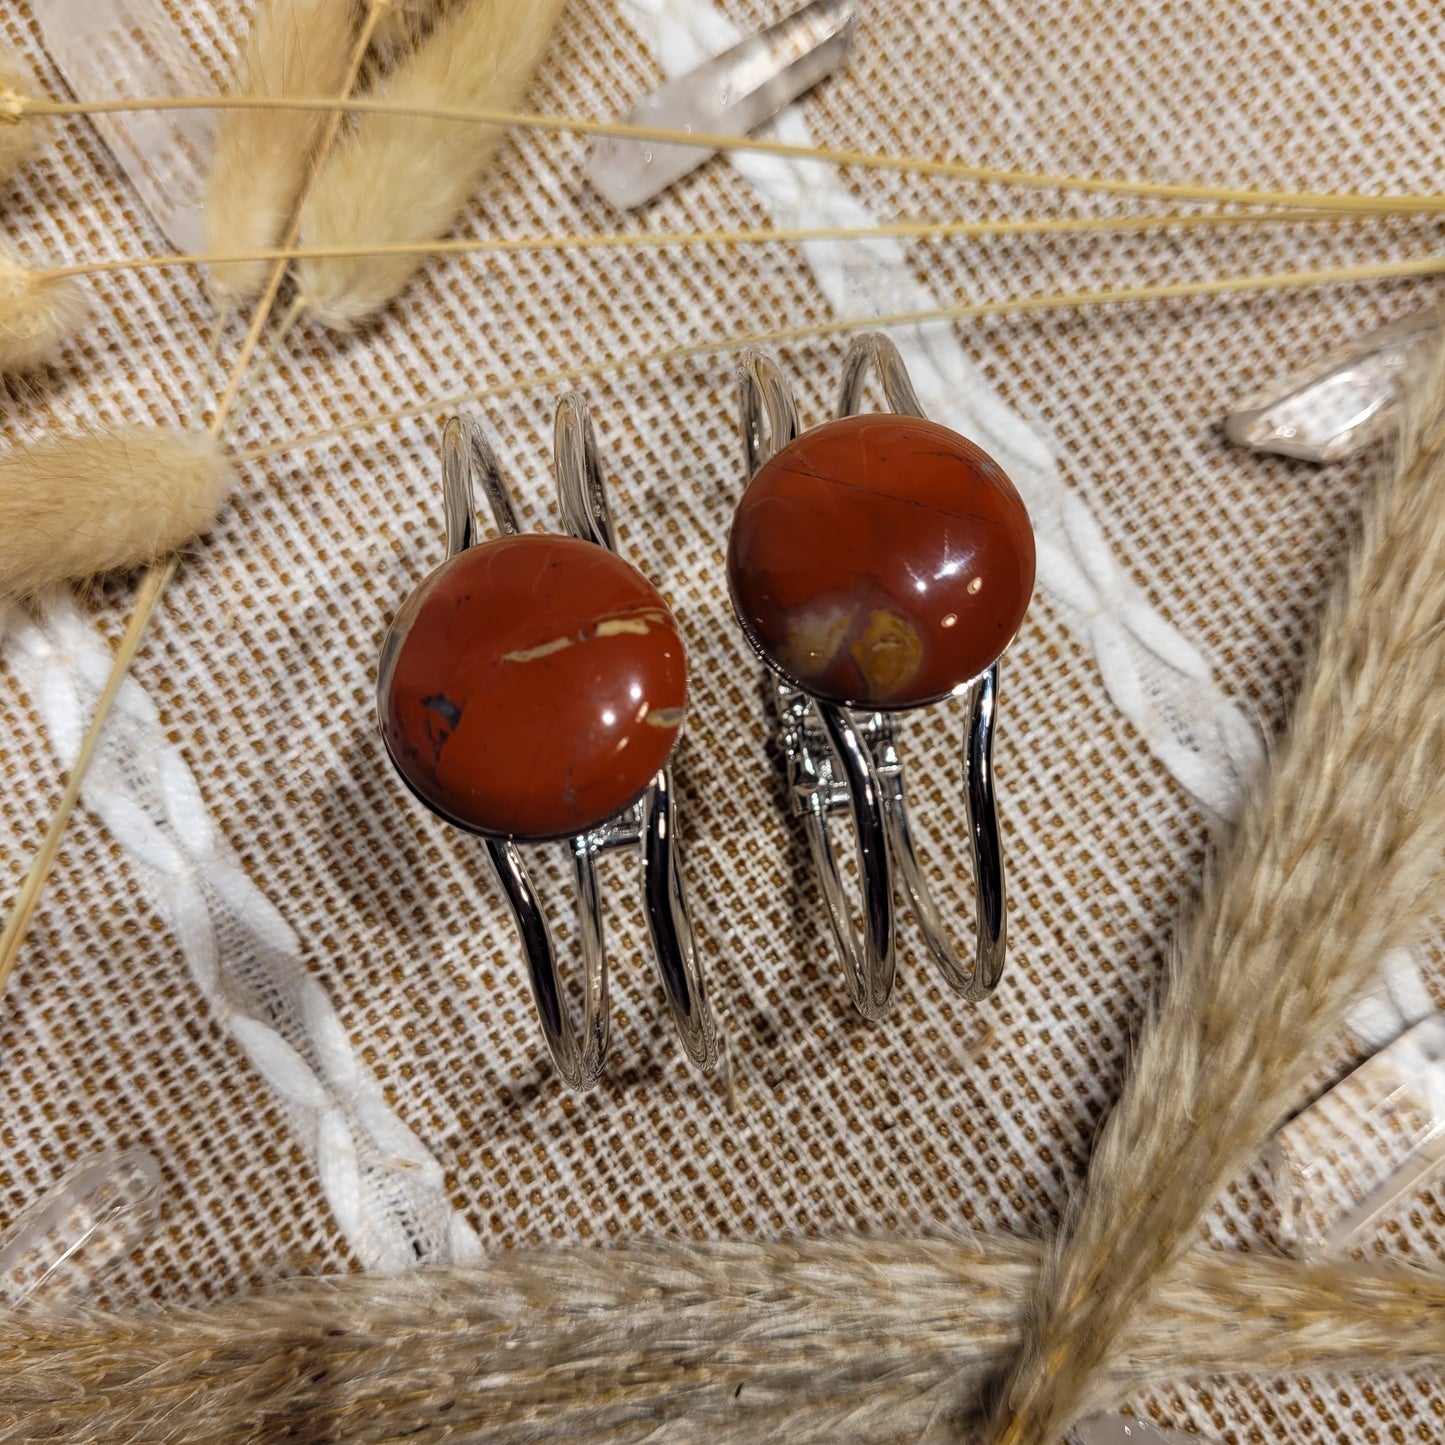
[
  {"x": 75, "y": 506},
  {"x": 858, "y": 1339},
  {"x": 294, "y": 47},
  {"x": 38, "y": 313},
  {"x": 402, "y": 179},
  {"x": 1336, "y": 861}
]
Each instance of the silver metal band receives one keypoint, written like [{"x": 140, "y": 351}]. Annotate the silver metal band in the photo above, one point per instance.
[
  {"x": 841, "y": 760},
  {"x": 650, "y": 826}
]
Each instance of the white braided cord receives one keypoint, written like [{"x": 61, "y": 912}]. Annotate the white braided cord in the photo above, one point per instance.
[{"x": 385, "y": 1189}]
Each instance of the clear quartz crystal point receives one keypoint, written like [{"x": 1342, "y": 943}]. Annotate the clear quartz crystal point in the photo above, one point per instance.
[
  {"x": 1338, "y": 405},
  {"x": 62, "y": 1244},
  {"x": 1376, "y": 1137},
  {"x": 1125, "y": 1430},
  {"x": 729, "y": 95},
  {"x": 118, "y": 49}
]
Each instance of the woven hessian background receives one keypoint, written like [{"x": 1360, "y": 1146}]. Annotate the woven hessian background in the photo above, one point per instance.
[{"x": 262, "y": 664}]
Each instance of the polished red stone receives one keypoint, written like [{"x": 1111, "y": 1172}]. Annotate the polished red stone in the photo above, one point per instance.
[
  {"x": 532, "y": 687},
  {"x": 881, "y": 561}
]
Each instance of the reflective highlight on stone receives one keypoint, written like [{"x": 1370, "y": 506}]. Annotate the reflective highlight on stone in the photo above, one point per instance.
[
  {"x": 881, "y": 561},
  {"x": 532, "y": 687}
]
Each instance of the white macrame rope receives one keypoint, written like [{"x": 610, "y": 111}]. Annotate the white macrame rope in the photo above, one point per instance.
[
  {"x": 386, "y": 1191},
  {"x": 1156, "y": 677}
]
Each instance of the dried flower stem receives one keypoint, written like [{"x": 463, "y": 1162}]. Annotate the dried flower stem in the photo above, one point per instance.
[
  {"x": 15, "y": 106},
  {"x": 622, "y": 240},
  {"x": 863, "y": 1339},
  {"x": 1336, "y": 861},
  {"x": 1064, "y": 300},
  {"x": 17, "y": 925}
]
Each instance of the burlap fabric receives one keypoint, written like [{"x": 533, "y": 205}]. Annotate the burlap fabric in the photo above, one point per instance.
[{"x": 261, "y": 666}]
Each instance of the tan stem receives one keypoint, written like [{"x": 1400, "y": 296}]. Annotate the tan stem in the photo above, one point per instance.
[
  {"x": 1175, "y": 290},
  {"x": 606, "y": 240},
  {"x": 13, "y": 107},
  {"x": 18, "y": 923}
]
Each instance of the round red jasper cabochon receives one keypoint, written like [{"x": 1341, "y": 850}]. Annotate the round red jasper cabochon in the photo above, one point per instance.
[
  {"x": 532, "y": 687},
  {"x": 881, "y": 561}
]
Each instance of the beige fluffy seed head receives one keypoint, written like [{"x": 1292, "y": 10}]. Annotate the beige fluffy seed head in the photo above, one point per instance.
[
  {"x": 1337, "y": 861},
  {"x": 294, "y": 48},
  {"x": 402, "y": 23},
  {"x": 38, "y": 313},
  {"x": 78, "y": 506},
  {"x": 404, "y": 178},
  {"x": 18, "y": 136}
]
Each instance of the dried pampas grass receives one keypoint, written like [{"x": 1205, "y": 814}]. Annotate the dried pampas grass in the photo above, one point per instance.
[
  {"x": 1337, "y": 861},
  {"x": 78, "y": 506},
  {"x": 38, "y": 314},
  {"x": 294, "y": 48},
  {"x": 405, "y": 179},
  {"x": 858, "y": 1339},
  {"x": 19, "y": 138}
]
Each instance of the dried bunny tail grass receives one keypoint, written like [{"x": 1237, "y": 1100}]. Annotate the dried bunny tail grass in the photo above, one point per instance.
[
  {"x": 19, "y": 137},
  {"x": 189, "y": 496},
  {"x": 403, "y": 23},
  {"x": 294, "y": 47},
  {"x": 78, "y": 506},
  {"x": 398, "y": 178},
  {"x": 862, "y": 1338},
  {"x": 38, "y": 313},
  {"x": 1336, "y": 861}
]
